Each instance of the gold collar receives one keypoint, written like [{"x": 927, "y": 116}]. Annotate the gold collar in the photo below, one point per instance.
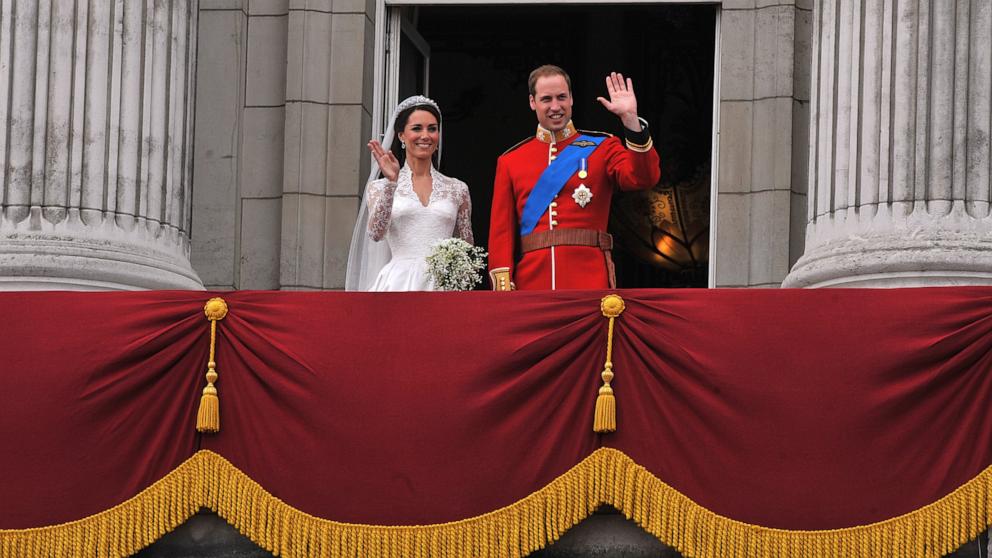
[{"x": 545, "y": 136}]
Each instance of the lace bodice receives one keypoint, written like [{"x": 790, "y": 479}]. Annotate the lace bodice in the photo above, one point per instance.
[{"x": 411, "y": 228}]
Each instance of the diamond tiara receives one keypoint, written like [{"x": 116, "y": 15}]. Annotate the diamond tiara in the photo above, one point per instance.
[{"x": 414, "y": 101}]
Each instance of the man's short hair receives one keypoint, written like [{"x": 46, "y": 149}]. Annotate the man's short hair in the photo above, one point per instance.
[{"x": 545, "y": 71}]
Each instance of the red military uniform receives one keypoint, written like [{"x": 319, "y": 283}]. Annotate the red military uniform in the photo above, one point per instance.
[{"x": 565, "y": 264}]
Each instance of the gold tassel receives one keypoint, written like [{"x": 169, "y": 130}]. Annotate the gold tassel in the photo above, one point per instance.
[
  {"x": 606, "y": 408},
  {"x": 208, "y": 416},
  {"x": 605, "y": 420}
]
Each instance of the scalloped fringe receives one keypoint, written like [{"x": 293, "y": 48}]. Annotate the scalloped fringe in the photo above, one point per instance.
[{"x": 606, "y": 477}]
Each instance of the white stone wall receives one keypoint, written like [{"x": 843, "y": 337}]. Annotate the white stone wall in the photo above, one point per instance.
[
  {"x": 239, "y": 144},
  {"x": 284, "y": 92},
  {"x": 328, "y": 122},
  {"x": 764, "y": 112},
  {"x": 95, "y": 104}
]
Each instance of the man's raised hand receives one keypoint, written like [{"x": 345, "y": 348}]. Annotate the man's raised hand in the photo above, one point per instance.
[{"x": 622, "y": 102}]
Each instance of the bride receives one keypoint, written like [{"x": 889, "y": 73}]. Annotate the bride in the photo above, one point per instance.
[{"x": 413, "y": 206}]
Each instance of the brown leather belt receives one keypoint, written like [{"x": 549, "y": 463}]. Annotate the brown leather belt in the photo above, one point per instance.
[{"x": 573, "y": 237}]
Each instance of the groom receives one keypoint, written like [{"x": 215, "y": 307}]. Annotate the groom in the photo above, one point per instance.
[{"x": 551, "y": 197}]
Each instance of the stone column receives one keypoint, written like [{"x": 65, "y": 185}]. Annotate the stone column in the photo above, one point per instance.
[
  {"x": 96, "y": 109},
  {"x": 899, "y": 145}
]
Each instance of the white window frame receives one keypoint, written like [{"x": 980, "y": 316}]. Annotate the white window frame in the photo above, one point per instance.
[{"x": 383, "y": 98}]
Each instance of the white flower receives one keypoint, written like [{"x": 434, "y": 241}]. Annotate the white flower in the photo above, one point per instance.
[{"x": 456, "y": 265}]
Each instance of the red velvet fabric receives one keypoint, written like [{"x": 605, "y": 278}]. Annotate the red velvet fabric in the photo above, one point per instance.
[{"x": 791, "y": 409}]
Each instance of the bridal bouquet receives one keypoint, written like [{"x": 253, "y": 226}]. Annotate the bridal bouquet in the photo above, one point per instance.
[{"x": 456, "y": 265}]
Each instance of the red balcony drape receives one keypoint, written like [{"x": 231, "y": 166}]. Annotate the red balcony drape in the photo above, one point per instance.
[{"x": 783, "y": 409}]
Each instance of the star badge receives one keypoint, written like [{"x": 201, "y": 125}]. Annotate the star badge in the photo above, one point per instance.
[{"x": 582, "y": 195}]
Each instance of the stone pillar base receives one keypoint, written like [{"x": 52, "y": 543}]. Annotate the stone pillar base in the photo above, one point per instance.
[
  {"x": 103, "y": 255},
  {"x": 886, "y": 250}
]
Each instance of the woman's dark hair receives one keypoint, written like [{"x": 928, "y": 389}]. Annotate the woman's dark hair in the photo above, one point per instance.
[{"x": 401, "y": 120}]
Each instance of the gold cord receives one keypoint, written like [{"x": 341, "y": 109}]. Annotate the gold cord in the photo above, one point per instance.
[
  {"x": 605, "y": 419},
  {"x": 208, "y": 415}
]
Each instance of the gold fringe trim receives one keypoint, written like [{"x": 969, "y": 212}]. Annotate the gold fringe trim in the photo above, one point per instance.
[{"x": 606, "y": 477}]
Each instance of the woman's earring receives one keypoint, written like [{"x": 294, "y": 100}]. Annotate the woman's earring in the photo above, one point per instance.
[{"x": 402, "y": 145}]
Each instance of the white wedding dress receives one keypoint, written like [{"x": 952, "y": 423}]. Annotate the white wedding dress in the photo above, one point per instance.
[{"x": 397, "y": 216}]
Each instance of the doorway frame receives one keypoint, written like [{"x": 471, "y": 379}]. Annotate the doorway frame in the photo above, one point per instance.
[{"x": 380, "y": 77}]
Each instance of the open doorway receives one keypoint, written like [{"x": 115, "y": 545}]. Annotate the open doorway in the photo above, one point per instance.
[{"x": 474, "y": 60}]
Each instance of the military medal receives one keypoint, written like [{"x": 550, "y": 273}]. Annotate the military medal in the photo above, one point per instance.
[{"x": 582, "y": 195}]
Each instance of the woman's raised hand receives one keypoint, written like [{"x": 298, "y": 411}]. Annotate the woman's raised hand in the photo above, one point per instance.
[{"x": 388, "y": 163}]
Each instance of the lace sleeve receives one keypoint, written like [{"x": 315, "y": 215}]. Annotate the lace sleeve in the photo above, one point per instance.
[
  {"x": 380, "y": 207},
  {"x": 463, "y": 222}
]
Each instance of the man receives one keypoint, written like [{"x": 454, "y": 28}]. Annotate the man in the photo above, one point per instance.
[{"x": 551, "y": 198}]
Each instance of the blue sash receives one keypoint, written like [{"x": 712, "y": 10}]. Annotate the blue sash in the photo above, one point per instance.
[{"x": 553, "y": 179}]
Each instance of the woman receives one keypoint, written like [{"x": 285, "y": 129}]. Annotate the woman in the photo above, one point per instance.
[{"x": 413, "y": 206}]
